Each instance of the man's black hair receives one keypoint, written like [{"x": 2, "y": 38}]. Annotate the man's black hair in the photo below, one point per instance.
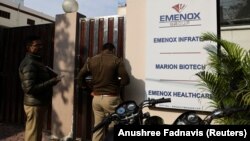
[
  {"x": 31, "y": 38},
  {"x": 108, "y": 46}
]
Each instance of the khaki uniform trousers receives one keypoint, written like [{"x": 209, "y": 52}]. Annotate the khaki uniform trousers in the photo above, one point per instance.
[
  {"x": 103, "y": 105},
  {"x": 34, "y": 122}
]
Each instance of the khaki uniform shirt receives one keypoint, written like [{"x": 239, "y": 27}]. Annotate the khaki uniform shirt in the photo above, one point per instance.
[{"x": 108, "y": 73}]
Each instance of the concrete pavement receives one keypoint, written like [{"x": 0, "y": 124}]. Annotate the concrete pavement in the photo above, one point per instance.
[{"x": 11, "y": 132}]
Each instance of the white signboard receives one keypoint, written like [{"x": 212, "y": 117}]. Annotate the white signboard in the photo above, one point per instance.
[{"x": 174, "y": 50}]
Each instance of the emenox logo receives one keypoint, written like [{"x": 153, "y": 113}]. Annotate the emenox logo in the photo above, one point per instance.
[{"x": 180, "y": 18}]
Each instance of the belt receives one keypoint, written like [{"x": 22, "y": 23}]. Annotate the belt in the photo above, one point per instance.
[{"x": 108, "y": 94}]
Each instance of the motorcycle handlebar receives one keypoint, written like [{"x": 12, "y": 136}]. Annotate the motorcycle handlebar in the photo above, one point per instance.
[
  {"x": 233, "y": 110},
  {"x": 226, "y": 112},
  {"x": 157, "y": 101},
  {"x": 219, "y": 113},
  {"x": 104, "y": 122}
]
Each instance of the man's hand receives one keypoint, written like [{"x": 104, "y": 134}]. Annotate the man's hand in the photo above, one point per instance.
[{"x": 57, "y": 79}]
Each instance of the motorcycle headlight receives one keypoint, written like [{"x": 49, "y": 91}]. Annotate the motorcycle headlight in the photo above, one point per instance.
[
  {"x": 193, "y": 119},
  {"x": 188, "y": 118}
]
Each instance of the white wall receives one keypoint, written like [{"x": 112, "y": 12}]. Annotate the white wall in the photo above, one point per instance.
[
  {"x": 135, "y": 48},
  {"x": 121, "y": 11},
  {"x": 238, "y": 34},
  {"x": 135, "y": 54},
  {"x": 65, "y": 44}
]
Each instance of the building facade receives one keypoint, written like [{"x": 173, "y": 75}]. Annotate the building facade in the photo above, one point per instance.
[
  {"x": 14, "y": 14},
  {"x": 236, "y": 30}
]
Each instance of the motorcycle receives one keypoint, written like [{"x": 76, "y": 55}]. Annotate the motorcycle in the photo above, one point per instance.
[
  {"x": 129, "y": 113},
  {"x": 192, "y": 118}
]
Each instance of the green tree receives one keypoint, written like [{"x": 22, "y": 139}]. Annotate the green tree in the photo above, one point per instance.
[{"x": 227, "y": 78}]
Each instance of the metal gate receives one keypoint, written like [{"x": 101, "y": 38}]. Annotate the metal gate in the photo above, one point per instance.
[{"x": 12, "y": 51}]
